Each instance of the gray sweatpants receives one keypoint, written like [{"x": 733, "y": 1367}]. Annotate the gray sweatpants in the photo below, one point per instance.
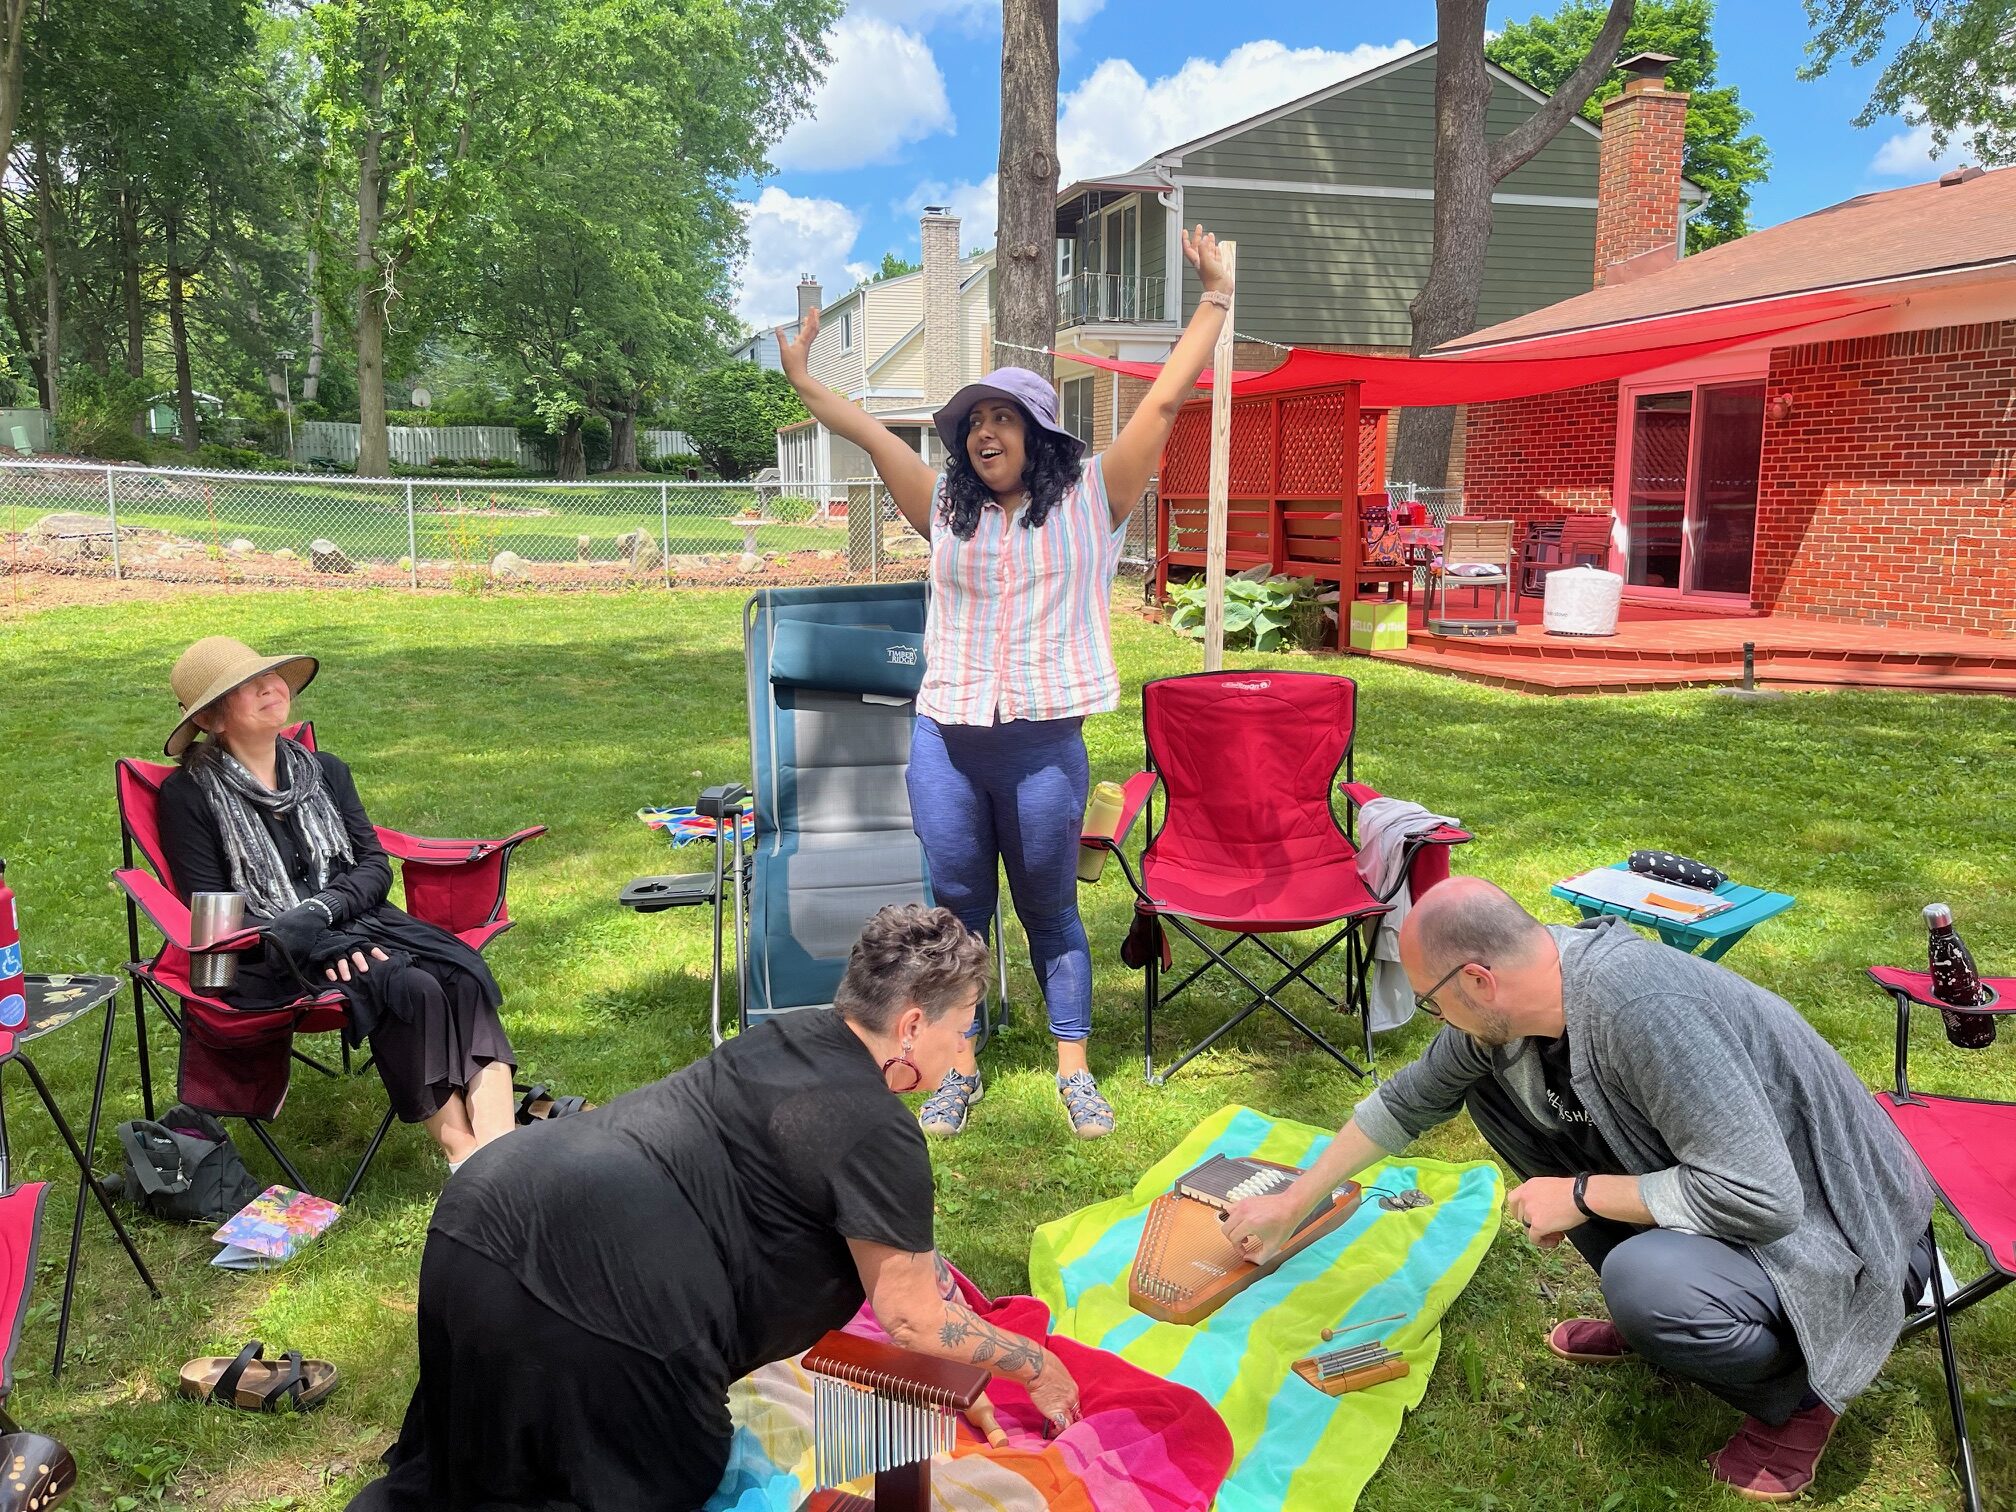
[{"x": 1698, "y": 1307}]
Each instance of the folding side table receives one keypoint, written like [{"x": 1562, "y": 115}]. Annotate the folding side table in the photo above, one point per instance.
[
  {"x": 53, "y": 1003},
  {"x": 1712, "y": 937}
]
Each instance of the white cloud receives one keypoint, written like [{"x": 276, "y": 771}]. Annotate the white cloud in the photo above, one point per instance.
[
  {"x": 789, "y": 236},
  {"x": 1116, "y": 119},
  {"x": 974, "y": 204},
  {"x": 1910, "y": 154},
  {"x": 971, "y": 14},
  {"x": 883, "y": 91}
]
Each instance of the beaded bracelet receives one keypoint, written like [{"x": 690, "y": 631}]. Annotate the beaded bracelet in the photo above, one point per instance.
[{"x": 1216, "y": 297}]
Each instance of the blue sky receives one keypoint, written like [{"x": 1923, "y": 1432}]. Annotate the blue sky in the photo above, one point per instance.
[{"x": 909, "y": 113}]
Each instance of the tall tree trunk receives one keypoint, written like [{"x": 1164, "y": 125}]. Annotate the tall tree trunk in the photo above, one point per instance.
[
  {"x": 1468, "y": 166},
  {"x": 178, "y": 335},
  {"x": 311, "y": 380},
  {"x": 52, "y": 284},
  {"x": 623, "y": 436},
  {"x": 129, "y": 281},
  {"x": 571, "y": 456},
  {"x": 374, "y": 451},
  {"x": 1026, "y": 255},
  {"x": 13, "y": 51}
]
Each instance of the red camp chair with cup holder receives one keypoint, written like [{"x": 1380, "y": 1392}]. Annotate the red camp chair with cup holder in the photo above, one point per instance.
[
  {"x": 1249, "y": 844},
  {"x": 234, "y": 1063},
  {"x": 1968, "y": 1148}
]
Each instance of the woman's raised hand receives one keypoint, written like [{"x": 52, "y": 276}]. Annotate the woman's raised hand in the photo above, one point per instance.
[
  {"x": 794, "y": 351},
  {"x": 1200, "y": 250}
]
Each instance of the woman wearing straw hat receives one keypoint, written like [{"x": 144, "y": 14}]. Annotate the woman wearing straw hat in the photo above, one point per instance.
[
  {"x": 1025, "y": 540},
  {"x": 256, "y": 813}
]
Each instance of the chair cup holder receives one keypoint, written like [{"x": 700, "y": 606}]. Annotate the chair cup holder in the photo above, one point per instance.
[{"x": 670, "y": 890}]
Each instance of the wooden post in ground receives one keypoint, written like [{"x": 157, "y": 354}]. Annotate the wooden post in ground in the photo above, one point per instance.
[{"x": 1221, "y": 481}]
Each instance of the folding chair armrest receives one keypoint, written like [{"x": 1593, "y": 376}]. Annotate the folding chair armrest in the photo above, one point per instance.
[
  {"x": 714, "y": 802},
  {"x": 421, "y": 850},
  {"x": 1136, "y": 790},
  {"x": 170, "y": 914},
  {"x": 1361, "y": 794}
]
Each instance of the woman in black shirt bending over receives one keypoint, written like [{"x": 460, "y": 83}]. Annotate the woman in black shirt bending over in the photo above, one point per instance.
[
  {"x": 591, "y": 1287},
  {"x": 255, "y": 813}
]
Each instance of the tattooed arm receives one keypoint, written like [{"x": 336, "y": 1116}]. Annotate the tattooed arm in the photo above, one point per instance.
[{"x": 909, "y": 1295}]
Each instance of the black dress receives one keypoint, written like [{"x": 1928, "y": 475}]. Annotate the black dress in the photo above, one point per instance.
[
  {"x": 429, "y": 1010},
  {"x": 592, "y": 1286}
]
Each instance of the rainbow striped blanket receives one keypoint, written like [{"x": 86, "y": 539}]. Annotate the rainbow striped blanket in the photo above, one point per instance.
[{"x": 1294, "y": 1448}]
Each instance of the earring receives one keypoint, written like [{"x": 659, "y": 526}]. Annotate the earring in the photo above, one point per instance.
[{"x": 916, "y": 1072}]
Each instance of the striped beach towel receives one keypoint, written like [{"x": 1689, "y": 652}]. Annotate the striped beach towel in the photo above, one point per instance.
[{"x": 1294, "y": 1448}]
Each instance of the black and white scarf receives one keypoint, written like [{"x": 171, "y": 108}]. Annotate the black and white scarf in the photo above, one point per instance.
[{"x": 256, "y": 868}]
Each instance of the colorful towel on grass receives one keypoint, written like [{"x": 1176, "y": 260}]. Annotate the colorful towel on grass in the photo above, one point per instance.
[
  {"x": 1140, "y": 1444},
  {"x": 1294, "y": 1448}
]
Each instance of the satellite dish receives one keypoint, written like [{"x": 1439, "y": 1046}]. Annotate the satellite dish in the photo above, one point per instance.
[{"x": 421, "y": 398}]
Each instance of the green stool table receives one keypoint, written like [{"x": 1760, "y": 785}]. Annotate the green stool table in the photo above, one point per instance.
[{"x": 1713, "y": 937}]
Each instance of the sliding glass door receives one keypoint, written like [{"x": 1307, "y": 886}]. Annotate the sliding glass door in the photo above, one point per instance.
[{"x": 1691, "y": 488}]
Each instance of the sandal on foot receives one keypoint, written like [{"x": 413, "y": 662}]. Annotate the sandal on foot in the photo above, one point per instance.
[
  {"x": 1085, "y": 1105},
  {"x": 945, "y": 1111},
  {"x": 36, "y": 1472},
  {"x": 253, "y": 1383},
  {"x": 538, "y": 1102}
]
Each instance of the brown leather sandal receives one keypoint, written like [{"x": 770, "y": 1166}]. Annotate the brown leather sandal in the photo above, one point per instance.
[{"x": 252, "y": 1383}]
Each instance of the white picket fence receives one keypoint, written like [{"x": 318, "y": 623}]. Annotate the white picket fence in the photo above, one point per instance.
[{"x": 419, "y": 445}]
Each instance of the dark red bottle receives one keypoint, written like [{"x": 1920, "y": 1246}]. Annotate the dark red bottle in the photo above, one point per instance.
[{"x": 1955, "y": 982}]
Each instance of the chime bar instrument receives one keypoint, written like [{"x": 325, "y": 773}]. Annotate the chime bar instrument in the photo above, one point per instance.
[
  {"x": 1185, "y": 1268},
  {"x": 882, "y": 1411},
  {"x": 1342, "y": 1370}
]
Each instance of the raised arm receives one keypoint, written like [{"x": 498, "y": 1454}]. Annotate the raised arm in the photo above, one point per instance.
[
  {"x": 1131, "y": 460},
  {"x": 909, "y": 480}
]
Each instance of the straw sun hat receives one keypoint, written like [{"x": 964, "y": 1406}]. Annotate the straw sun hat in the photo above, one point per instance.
[{"x": 213, "y": 667}]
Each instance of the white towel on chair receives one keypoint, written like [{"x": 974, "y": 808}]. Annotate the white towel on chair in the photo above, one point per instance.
[{"x": 1384, "y": 827}]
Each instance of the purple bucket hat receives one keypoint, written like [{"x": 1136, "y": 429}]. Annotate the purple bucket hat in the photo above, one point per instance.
[{"x": 1029, "y": 389}]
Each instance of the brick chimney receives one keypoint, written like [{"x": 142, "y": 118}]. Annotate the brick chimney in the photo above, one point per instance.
[
  {"x": 810, "y": 296},
  {"x": 944, "y": 347},
  {"x": 1638, "y": 181}
]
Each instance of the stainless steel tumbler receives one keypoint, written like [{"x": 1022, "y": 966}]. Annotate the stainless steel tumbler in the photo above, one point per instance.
[{"x": 212, "y": 916}]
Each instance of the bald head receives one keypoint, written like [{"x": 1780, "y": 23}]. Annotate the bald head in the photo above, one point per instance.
[{"x": 1468, "y": 919}]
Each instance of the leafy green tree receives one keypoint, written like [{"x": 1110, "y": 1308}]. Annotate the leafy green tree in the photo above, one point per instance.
[
  {"x": 894, "y": 265},
  {"x": 1722, "y": 155},
  {"x": 733, "y": 413},
  {"x": 1954, "y": 72}
]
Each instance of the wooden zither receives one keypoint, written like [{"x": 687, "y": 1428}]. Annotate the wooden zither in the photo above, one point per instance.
[
  {"x": 1185, "y": 1268},
  {"x": 881, "y": 1411}
]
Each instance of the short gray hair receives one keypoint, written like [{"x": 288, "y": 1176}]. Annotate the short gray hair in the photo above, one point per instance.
[
  {"x": 1485, "y": 924},
  {"x": 911, "y": 954}
]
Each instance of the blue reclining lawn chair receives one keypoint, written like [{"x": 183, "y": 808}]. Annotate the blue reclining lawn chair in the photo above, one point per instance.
[{"x": 832, "y": 678}]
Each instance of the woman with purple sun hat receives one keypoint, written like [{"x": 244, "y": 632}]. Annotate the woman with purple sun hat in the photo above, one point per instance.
[{"x": 1025, "y": 537}]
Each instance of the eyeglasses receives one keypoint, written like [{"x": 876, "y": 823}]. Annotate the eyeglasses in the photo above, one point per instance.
[{"x": 1425, "y": 1001}]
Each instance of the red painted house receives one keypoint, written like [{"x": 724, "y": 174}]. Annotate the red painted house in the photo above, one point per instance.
[{"x": 1859, "y": 468}]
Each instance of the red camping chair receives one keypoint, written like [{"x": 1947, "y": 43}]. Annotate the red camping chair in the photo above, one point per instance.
[
  {"x": 1968, "y": 1147},
  {"x": 1250, "y": 845},
  {"x": 234, "y": 1063}
]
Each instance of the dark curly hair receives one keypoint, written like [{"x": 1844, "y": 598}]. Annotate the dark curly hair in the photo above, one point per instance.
[
  {"x": 1051, "y": 468},
  {"x": 910, "y": 954}
]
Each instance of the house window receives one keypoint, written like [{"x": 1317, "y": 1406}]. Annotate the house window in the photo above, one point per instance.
[
  {"x": 1077, "y": 416},
  {"x": 1067, "y": 256},
  {"x": 1691, "y": 490},
  {"x": 846, "y": 330}
]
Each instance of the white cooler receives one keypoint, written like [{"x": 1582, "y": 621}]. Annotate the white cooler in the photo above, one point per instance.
[{"x": 1582, "y": 601}]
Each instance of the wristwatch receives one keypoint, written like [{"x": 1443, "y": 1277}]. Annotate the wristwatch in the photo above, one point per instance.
[{"x": 1582, "y": 1194}]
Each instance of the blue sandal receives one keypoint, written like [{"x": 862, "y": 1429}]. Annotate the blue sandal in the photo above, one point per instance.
[
  {"x": 945, "y": 1111},
  {"x": 1085, "y": 1105}
]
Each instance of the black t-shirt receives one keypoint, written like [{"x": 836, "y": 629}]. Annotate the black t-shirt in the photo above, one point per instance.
[
  {"x": 707, "y": 1216},
  {"x": 1564, "y": 1103}
]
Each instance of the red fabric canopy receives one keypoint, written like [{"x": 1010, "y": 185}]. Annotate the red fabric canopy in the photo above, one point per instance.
[{"x": 1513, "y": 372}]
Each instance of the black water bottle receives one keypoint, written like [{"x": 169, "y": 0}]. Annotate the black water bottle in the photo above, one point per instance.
[{"x": 1955, "y": 982}]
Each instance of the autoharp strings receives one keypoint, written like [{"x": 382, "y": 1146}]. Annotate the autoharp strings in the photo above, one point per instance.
[{"x": 858, "y": 1430}]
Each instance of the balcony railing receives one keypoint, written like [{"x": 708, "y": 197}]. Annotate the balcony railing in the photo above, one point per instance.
[{"x": 1107, "y": 298}]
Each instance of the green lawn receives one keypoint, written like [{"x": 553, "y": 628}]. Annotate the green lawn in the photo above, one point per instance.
[{"x": 472, "y": 715}]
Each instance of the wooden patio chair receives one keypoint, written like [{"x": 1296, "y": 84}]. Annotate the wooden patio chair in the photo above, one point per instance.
[
  {"x": 1579, "y": 540},
  {"x": 1486, "y": 543}
]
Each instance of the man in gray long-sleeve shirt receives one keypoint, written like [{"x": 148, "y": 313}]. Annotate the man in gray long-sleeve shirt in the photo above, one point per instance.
[{"x": 1758, "y": 1225}]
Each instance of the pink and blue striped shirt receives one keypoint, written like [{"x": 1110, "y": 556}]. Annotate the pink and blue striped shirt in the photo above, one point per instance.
[{"x": 1019, "y": 622}]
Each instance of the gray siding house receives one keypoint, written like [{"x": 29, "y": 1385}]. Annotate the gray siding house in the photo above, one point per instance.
[{"x": 1332, "y": 201}]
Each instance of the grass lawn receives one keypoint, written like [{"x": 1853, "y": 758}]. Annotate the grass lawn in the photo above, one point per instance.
[{"x": 475, "y": 715}]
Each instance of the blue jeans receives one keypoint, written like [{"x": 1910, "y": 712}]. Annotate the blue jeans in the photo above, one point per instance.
[{"x": 981, "y": 795}]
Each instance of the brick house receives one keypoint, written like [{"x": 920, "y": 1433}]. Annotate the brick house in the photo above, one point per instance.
[{"x": 1858, "y": 469}]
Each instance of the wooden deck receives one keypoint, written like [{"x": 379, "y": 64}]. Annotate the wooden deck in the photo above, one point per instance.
[{"x": 1657, "y": 647}]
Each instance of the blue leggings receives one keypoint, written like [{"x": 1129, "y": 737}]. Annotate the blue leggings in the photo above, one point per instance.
[{"x": 1015, "y": 792}]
